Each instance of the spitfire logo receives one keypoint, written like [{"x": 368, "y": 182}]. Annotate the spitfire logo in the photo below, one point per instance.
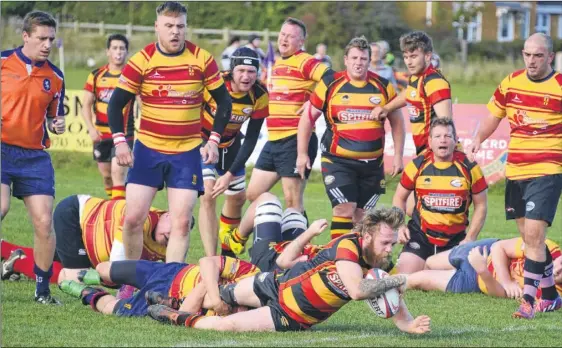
[
  {"x": 105, "y": 95},
  {"x": 354, "y": 115},
  {"x": 442, "y": 201},
  {"x": 335, "y": 280}
]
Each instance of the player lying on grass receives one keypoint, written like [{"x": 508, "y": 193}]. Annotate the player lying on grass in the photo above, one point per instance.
[
  {"x": 310, "y": 292},
  {"x": 89, "y": 232},
  {"x": 175, "y": 280},
  {"x": 493, "y": 267}
]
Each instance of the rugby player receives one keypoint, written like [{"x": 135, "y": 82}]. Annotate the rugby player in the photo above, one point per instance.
[
  {"x": 310, "y": 292},
  {"x": 444, "y": 183},
  {"x": 353, "y": 144},
  {"x": 97, "y": 92},
  {"x": 170, "y": 75},
  {"x": 32, "y": 106},
  {"x": 293, "y": 78},
  {"x": 490, "y": 266},
  {"x": 249, "y": 102},
  {"x": 531, "y": 100},
  {"x": 174, "y": 279}
]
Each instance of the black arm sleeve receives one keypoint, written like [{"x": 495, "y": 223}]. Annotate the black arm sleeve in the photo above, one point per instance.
[
  {"x": 118, "y": 101},
  {"x": 224, "y": 108},
  {"x": 250, "y": 141}
]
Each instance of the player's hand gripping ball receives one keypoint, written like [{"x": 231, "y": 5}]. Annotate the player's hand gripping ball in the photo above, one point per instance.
[{"x": 387, "y": 304}]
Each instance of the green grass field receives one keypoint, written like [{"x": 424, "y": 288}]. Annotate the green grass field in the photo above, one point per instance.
[{"x": 457, "y": 320}]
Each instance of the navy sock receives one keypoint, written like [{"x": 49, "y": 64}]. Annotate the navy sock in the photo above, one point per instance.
[{"x": 42, "y": 280}]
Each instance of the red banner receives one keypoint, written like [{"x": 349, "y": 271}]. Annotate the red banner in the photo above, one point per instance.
[{"x": 467, "y": 117}]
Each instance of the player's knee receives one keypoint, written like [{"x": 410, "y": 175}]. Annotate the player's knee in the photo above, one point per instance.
[
  {"x": 133, "y": 221},
  {"x": 252, "y": 193},
  {"x": 267, "y": 197},
  {"x": 238, "y": 199},
  {"x": 43, "y": 224},
  {"x": 103, "y": 270},
  {"x": 344, "y": 210},
  {"x": 181, "y": 225},
  {"x": 207, "y": 200}
]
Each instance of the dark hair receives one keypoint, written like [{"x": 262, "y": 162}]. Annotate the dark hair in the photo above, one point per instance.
[
  {"x": 445, "y": 122},
  {"x": 360, "y": 43},
  {"x": 38, "y": 19},
  {"x": 118, "y": 37},
  {"x": 298, "y": 23},
  {"x": 416, "y": 39},
  {"x": 233, "y": 40},
  {"x": 173, "y": 8}
]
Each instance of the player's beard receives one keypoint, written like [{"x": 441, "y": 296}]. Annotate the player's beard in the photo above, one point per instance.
[{"x": 374, "y": 260}]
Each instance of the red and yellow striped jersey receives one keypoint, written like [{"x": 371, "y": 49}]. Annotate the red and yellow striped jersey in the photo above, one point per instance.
[
  {"x": 171, "y": 89},
  {"x": 516, "y": 265},
  {"x": 423, "y": 92},
  {"x": 351, "y": 132},
  {"x": 254, "y": 104},
  {"x": 443, "y": 193},
  {"x": 292, "y": 81},
  {"x": 312, "y": 291},
  {"x": 30, "y": 95},
  {"x": 102, "y": 82},
  {"x": 102, "y": 223},
  {"x": 534, "y": 111},
  {"x": 309, "y": 250},
  {"x": 231, "y": 270}
]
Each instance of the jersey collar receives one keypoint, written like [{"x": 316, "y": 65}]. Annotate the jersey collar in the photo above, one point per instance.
[
  {"x": 170, "y": 54},
  {"x": 27, "y": 60},
  {"x": 543, "y": 79},
  {"x": 294, "y": 54}
]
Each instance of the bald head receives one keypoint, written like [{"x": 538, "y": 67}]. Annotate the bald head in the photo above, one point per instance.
[
  {"x": 541, "y": 40},
  {"x": 538, "y": 56}
]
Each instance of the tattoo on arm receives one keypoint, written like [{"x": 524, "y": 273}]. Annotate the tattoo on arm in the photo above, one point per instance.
[{"x": 376, "y": 287}]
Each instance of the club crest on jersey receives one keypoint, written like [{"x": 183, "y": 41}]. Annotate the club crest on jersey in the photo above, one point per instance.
[
  {"x": 375, "y": 100},
  {"x": 247, "y": 111},
  {"x": 546, "y": 100},
  {"x": 413, "y": 94},
  {"x": 442, "y": 201},
  {"x": 47, "y": 85},
  {"x": 456, "y": 183},
  {"x": 345, "y": 99}
]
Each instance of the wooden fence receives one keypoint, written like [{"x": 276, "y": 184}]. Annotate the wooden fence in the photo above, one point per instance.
[{"x": 130, "y": 29}]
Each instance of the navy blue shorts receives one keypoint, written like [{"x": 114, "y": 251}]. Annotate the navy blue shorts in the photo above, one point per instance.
[
  {"x": 465, "y": 279},
  {"x": 156, "y": 169},
  {"x": 28, "y": 172},
  {"x": 149, "y": 275}
]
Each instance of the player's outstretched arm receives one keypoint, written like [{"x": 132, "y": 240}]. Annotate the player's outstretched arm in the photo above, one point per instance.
[
  {"x": 194, "y": 301},
  {"x": 488, "y": 126},
  {"x": 478, "y": 259},
  {"x": 360, "y": 288},
  {"x": 293, "y": 251},
  {"x": 406, "y": 323}
]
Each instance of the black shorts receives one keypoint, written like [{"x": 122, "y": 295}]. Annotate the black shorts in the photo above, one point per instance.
[
  {"x": 348, "y": 180},
  {"x": 104, "y": 150},
  {"x": 420, "y": 245},
  {"x": 266, "y": 289},
  {"x": 70, "y": 246},
  {"x": 535, "y": 198},
  {"x": 280, "y": 156},
  {"x": 263, "y": 255}
]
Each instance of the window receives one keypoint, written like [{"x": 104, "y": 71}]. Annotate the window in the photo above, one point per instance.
[
  {"x": 506, "y": 25},
  {"x": 474, "y": 29},
  {"x": 524, "y": 20},
  {"x": 543, "y": 23}
]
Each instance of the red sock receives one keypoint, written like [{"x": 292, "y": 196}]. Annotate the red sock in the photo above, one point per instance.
[{"x": 25, "y": 266}]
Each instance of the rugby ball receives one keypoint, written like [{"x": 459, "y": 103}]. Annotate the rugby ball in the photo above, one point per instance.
[{"x": 387, "y": 304}]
